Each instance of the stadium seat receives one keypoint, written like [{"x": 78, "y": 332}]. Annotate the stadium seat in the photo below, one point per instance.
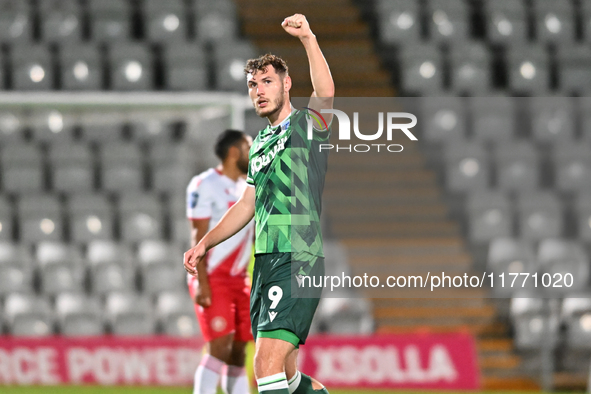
[
  {"x": 185, "y": 67},
  {"x": 110, "y": 20},
  {"x": 28, "y": 315},
  {"x": 528, "y": 70},
  {"x": 11, "y": 126},
  {"x": 176, "y": 314},
  {"x": 216, "y": 21},
  {"x": 61, "y": 277},
  {"x": 131, "y": 66},
  {"x": 466, "y": 166},
  {"x": 122, "y": 177},
  {"x": 15, "y": 254},
  {"x": 110, "y": 277},
  {"x": 489, "y": 216},
  {"x": 560, "y": 258},
  {"x": 582, "y": 215},
  {"x": 169, "y": 169},
  {"x": 517, "y": 166},
  {"x": 107, "y": 251},
  {"x": 554, "y": 21},
  {"x": 230, "y": 59},
  {"x": 102, "y": 126},
  {"x": 141, "y": 217},
  {"x": 574, "y": 69},
  {"x": 576, "y": 314},
  {"x": 572, "y": 166},
  {"x": 32, "y": 68},
  {"x": 532, "y": 324},
  {"x": 61, "y": 22},
  {"x": 16, "y": 22},
  {"x": 444, "y": 119},
  {"x": 160, "y": 277},
  {"x": 421, "y": 68},
  {"x": 506, "y": 21},
  {"x": 73, "y": 168},
  {"x": 346, "y": 315},
  {"x": 448, "y": 20},
  {"x": 165, "y": 21},
  {"x": 52, "y": 126},
  {"x": 81, "y": 67},
  {"x": 510, "y": 255},
  {"x": 50, "y": 253},
  {"x": 470, "y": 64},
  {"x": 90, "y": 218},
  {"x": 398, "y": 21},
  {"x": 78, "y": 315},
  {"x": 129, "y": 314},
  {"x": 156, "y": 252},
  {"x": 552, "y": 119},
  {"x": 6, "y": 220},
  {"x": 40, "y": 219},
  {"x": 21, "y": 166},
  {"x": 15, "y": 278},
  {"x": 540, "y": 215},
  {"x": 493, "y": 118}
]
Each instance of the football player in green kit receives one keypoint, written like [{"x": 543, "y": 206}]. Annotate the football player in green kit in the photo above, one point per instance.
[{"x": 286, "y": 178}]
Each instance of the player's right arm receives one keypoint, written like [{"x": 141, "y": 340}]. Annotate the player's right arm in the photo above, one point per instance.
[{"x": 233, "y": 221}]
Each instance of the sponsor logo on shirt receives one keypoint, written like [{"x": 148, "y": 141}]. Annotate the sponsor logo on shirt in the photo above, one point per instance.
[{"x": 260, "y": 161}]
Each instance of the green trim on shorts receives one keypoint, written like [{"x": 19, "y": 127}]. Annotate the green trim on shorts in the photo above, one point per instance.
[{"x": 282, "y": 334}]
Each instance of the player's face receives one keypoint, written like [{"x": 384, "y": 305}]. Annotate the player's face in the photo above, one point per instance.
[
  {"x": 244, "y": 147},
  {"x": 267, "y": 91}
]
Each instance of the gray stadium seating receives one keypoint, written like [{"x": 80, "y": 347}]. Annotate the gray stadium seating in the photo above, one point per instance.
[
  {"x": 230, "y": 59},
  {"x": 552, "y": 119},
  {"x": 448, "y": 20},
  {"x": 176, "y": 314},
  {"x": 506, "y": 21},
  {"x": 129, "y": 314},
  {"x": 61, "y": 22},
  {"x": 32, "y": 68},
  {"x": 16, "y": 22},
  {"x": 444, "y": 119},
  {"x": 540, "y": 215},
  {"x": 186, "y": 66},
  {"x": 470, "y": 64},
  {"x": 574, "y": 68},
  {"x": 517, "y": 166},
  {"x": 28, "y": 315},
  {"x": 467, "y": 167},
  {"x": 576, "y": 313},
  {"x": 78, "y": 315},
  {"x": 489, "y": 216},
  {"x": 528, "y": 70},
  {"x": 561, "y": 257},
  {"x": 81, "y": 67},
  {"x": 110, "y": 20},
  {"x": 131, "y": 66},
  {"x": 421, "y": 69},
  {"x": 90, "y": 218},
  {"x": 572, "y": 166},
  {"x": 111, "y": 277},
  {"x": 165, "y": 21},
  {"x": 554, "y": 21},
  {"x": 398, "y": 21},
  {"x": 493, "y": 118}
]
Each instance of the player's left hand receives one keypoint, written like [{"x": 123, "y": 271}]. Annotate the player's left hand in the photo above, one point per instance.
[{"x": 297, "y": 26}]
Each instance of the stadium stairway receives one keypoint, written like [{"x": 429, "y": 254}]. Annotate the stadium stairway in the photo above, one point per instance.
[{"x": 387, "y": 208}]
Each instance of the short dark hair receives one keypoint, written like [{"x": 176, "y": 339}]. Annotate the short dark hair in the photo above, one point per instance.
[
  {"x": 262, "y": 62},
  {"x": 226, "y": 140}
]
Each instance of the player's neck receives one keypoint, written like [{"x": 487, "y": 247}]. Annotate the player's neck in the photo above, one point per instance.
[
  {"x": 230, "y": 171},
  {"x": 280, "y": 116}
]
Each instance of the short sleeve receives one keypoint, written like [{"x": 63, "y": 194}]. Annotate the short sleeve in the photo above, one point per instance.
[
  {"x": 249, "y": 177},
  {"x": 200, "y": 200}
]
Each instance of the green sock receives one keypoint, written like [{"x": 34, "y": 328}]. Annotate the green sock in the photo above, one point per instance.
[
  {"x": 274, "y": 384},
  {"x": 302, "y": 384}
]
